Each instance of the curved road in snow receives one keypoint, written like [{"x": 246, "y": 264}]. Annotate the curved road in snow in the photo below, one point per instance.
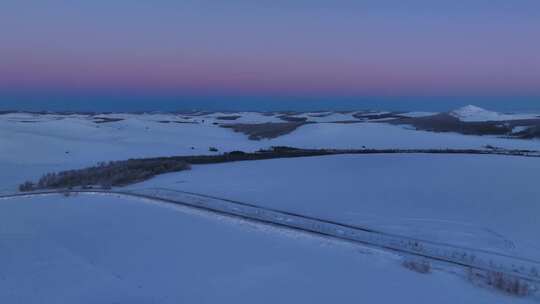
[{"x": 477, "y": 259}]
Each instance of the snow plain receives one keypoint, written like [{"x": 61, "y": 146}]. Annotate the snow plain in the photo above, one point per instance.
[
  {"x": 480, "y": 201},
  {"x": 86, "y": 249},
  {"x": 31, "y": 144},
  {"x": 97, "y": 249}
]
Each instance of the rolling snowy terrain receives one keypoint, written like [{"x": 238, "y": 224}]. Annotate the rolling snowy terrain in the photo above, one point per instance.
[
  {"x": 488, "y": 202},
  {"x": 473, "y": 113},
  {"x": 96, "y": 248},
  {"x": 32, "y": 144}
]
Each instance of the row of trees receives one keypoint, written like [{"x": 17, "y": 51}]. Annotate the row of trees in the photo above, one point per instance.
[{"x": 106, "y": 175}]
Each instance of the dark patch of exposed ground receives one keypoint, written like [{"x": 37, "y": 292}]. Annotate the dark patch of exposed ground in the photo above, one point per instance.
[
  {"x": 445, "y": 122},
  {"x": 177, "y": 121},
  {"x": 291, "y": 118},
  {"x": 184, "y": 122},
  {"x": 101, "y": 120},
  {"x": 264, "y": 130},
  {"x": 229, "y": 117},
  {"x": 371, "y": 116},
  {"x": 442, "y": 122},
  {"x": 287, "y": 113},
  {"x": 530, "y": 133},
  {"x": 320, "y": 115},
  {"x": 60, "y": 113},
  {"x": 188, "y": 114},
  {"x": 346, "y": 121}
]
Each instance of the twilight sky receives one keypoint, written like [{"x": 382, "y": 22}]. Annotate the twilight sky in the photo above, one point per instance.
[{"x": 271, "y": 47}]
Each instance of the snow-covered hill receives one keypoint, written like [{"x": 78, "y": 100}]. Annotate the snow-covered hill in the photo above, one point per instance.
[
  {"x": 31, "y": 144},
  {"x": 459, "y": 199},
  {"x": 472, "y": 113},
  {"x": 102, "y": 249}
]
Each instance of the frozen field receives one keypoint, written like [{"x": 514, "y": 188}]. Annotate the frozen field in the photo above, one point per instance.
[
  {"x": 488, "y": 202},
  {"x": 92, "y": 249},
  {"x": 31, "y": 144}
]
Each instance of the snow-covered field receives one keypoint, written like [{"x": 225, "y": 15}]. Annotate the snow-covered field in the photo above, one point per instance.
[
  {"x": 482, "y": 201},
  {"x": 100, "y": 250},
  {"x": 87, "y": 249},
  {"x": 31, "y": 144},
  {"x": 472, "y": 113}
]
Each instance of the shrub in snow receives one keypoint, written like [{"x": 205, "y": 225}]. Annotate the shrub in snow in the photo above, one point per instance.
[
  {"x": 212, "y": 149},
  {"x": 417, "y": 265},
  {"x": 501, "y": 281}
]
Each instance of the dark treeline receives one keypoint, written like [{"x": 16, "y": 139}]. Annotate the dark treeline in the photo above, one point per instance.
[
  {"x": 122, "y": 173},
  {"x": 107, "y": 175}
]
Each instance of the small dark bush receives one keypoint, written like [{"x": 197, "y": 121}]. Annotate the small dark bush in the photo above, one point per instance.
[
  {"x": 213, "y": 149},
  {"x": 417, "y": 265},
  {"x": 501, "y": 281}
]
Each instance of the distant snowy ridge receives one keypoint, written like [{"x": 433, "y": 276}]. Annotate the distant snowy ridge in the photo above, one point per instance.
[{"x": 472, "y": 113}]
